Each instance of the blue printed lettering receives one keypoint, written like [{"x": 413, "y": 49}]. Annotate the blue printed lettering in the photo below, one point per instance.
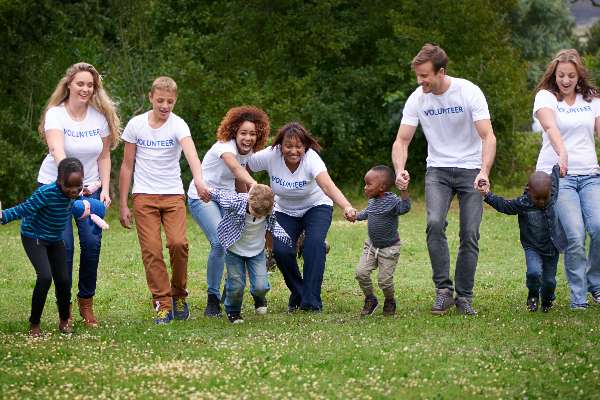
[
  {"x": 82, "y": 134},
  {"x": 289, "y": 185},
  {"x": 156, "y": 144},
  {"x": 443, "y": 111}
]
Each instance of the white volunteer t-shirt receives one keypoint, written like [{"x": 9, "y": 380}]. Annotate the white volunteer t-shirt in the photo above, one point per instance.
[
  {"x": 83, "y": 140},
  {"x": 448, "y": 123},
  {"x": 157, "y": 154},
  {"x": 215, "y": 173},
  {"x": 576, "y": 126},
  {"x": 252, "y": 241},
  {"x": 295, "y": 192}
]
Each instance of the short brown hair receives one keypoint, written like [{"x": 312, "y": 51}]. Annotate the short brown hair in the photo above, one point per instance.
[
  {"x": 433, "y": 53},
  {"x": 261, "y": 199},
  {"x": 164, "y": 83}
]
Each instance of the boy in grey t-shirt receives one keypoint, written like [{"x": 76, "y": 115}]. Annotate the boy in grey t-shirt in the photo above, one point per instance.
[{"x": 382, "y": 248}]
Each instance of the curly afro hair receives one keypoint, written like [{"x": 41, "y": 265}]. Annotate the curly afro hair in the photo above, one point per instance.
[{"x": 236, "y": 116}]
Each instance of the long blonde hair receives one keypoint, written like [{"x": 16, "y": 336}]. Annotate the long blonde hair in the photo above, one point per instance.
[
  {"x": 100, "y": 100},
  {"x": 584, "y": 86}
]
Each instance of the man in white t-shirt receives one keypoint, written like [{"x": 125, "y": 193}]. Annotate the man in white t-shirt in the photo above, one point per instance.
[{"x": 461, "y": 147}]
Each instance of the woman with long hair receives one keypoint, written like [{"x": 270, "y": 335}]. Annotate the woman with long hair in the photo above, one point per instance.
[
  {"x": 567, "y": 105},
  {"x": 80, "y": 120}
]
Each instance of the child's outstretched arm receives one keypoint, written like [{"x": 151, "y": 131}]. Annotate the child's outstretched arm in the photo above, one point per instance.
[
  {"x": 555, "y": 185},
  {"x": 403, "y": 205},
  {"x": 27, "y": 208},
  {"x": 500, "y": 204},
  {"x": 362, "y": 215},
  {"x": 277, "y": 231},
  {"x": 227, "y": 200}
]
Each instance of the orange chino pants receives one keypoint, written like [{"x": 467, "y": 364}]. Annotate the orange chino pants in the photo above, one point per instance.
[{"x": 150, "y": 211}]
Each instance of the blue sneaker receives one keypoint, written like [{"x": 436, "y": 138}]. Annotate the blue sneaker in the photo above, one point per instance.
[
  {"x": 163, "y": 317},
  {"x": 181, "y": 310}
]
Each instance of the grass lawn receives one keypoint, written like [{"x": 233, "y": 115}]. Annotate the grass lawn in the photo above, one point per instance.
[{"x": 504, "y": 352}]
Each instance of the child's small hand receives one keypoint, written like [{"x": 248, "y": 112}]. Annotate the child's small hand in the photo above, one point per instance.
[
  {"x": 350, "y": 213},
  {"x": 483, "y": 186}
]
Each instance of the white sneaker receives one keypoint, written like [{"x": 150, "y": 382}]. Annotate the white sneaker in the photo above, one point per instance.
[{"x": 261, "y": 310}]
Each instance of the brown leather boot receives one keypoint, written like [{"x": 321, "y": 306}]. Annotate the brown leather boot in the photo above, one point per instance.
[
  {"x": 34, "y": 330},
  {"x": 64, "y": 326},
  {"x": 86, "y": 312}
]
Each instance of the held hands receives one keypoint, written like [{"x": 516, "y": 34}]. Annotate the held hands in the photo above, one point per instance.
[
  {"x": 563, "y": 164},
  {"x": 203, "y": 191},
  {"x": 125, "y": 217},
  {"x": 350, "y": 213},
  {"x": 402, "y": 180},
  {"x": 482, "y": 183}
]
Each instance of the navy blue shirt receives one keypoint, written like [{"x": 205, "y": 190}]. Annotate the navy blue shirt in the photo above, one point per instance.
[
  {"x": 539, "y": 227},
  {"x": 382, "y": 218}
]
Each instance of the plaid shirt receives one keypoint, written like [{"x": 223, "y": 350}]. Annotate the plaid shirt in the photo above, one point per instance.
[{"x": 233, "y": 223}]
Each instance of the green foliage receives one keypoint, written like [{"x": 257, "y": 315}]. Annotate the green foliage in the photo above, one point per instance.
[
  {"x": 593, "y": 39},
  {"x": 540, "y": 29},
  {"x": 340, "y": 67}
]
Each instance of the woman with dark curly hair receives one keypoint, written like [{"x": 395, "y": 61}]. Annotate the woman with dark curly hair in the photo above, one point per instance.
[
  {"x": 567, "y": 106},
  {"x": 242, "y": 131},
  {"x": 304, "y": 197}
]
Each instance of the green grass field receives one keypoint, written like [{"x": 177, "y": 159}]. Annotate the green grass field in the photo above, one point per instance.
[{"x": 504, "y": 352}]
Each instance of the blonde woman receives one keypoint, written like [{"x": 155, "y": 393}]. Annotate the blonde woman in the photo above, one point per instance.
[{"x": 80, "y": 121}]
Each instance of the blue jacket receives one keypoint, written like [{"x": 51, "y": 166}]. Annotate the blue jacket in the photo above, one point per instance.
[{"x": 539, "y": 229}]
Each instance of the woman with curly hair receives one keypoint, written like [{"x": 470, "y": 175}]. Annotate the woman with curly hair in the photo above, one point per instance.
[
  {"x": 80, "y": 121},
  {"x": 567, "y": 106},
  {"x": 242, "y": 131}
]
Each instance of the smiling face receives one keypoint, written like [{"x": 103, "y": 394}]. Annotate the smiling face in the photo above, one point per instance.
[
  {"x": 293, "y": 151},
  {"x": 81, "y": 87},
  {"x": 245, "y": 138},
  {"x": 373, "y": 184},
  {"x": 72, "y": 185},
  {"x": 566, "y": 78},
  {"x": 162, "y": 102},
  {"x": 430, "y": 81}
]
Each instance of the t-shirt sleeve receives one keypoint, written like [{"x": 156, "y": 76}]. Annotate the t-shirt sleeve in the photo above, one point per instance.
[
  {"x": 478, "y": 104},
  {"x": 182, "y": 129},
  {"x": 104, "y": 130},
  {"x": 53, "y": 119},
  {"x": 596, "y": 107},
  {"x": 259, "y": 161},
  {"x": 219, "y": 148},
  {"x": 314, "y": 163},
  {"x": 544, "y": 99},
  {"x": 130, "y": 133},
  {"x": 410, "y": 113}
]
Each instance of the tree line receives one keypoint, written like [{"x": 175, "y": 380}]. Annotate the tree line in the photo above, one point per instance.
[{"x": 341, "y": 67}]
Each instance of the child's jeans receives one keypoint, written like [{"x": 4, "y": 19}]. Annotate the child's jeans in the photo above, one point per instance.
[
  {"x": 541, "y": 274},
  {"x": 152, "y": 210},
  {"x": 49, "y": 259},
  {"x": 386, "y": 259},
  {"x": 237, "y": 266}
]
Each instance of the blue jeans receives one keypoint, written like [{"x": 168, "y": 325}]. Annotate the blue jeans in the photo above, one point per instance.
[
  {"x": 89, "y": 243},
  {"x": 540, "y": 277},
  {"x": 237, "y": 266},
  {"x": 578, "y": 209},
  {"x": 441, "y": 184},
  {"x": 208, "y": 215},
  {"x": 305, "y": 291}
]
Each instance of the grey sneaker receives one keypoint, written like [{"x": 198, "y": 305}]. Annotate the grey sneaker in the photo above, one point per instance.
[
  {"x": 443, "y": 301},
  {"x": 464, "y": 306},
  {"x": 596, "y": 296}
]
